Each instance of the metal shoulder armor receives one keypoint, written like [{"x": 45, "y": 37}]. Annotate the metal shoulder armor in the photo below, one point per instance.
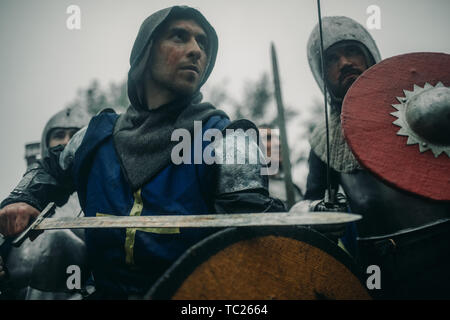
[
  {"x": 240, "y": 162},
  {"x": 68, "y": 154}
]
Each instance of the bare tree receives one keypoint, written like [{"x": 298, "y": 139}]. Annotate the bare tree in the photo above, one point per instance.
[{"x": 94, "y": 98}]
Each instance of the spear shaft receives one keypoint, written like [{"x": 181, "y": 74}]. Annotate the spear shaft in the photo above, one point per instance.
[
  {"x": 283, "y": 134},
  {"x": 329, "y": 196}
]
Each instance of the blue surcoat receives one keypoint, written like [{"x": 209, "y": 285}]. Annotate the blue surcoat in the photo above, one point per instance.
[{"x": 128, "y": 261}]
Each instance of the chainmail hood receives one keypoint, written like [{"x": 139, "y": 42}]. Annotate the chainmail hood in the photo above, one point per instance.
[
  {"x": 336, "y": 30},
  {"x": 140, "y": 52}
]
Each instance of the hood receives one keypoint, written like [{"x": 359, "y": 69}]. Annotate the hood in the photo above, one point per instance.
[
  {"x": 140, "y": 52},
  {"x": 337, "y": 29},
  {"x": 67, "y": 118}
]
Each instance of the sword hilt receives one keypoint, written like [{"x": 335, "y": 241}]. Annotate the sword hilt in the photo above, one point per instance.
[
  {"x": 330, "y": 197},
  {"x": 336, "y": 202},
  {"x": 48, "y": 211}
]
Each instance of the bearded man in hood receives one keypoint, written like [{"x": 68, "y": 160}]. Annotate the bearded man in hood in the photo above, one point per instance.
[
  {"x": 121, "y": 165},
  {"x": 348, "y": 51},
  {"x": 388, "y": 212}
]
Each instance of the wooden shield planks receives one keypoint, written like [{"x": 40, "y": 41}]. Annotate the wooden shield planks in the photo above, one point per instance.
[{"x": 259, "y": 263}]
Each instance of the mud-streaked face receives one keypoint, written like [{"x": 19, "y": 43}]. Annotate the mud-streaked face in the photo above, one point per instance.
[
  {"x": 179, "y": 57},
  {"x": 344, "y": 63}
]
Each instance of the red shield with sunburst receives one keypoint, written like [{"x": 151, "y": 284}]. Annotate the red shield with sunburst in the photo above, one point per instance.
[{"x": 396, "y": 120}]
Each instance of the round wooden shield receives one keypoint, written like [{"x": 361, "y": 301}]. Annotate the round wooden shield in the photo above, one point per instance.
[
  {"x": 369, "y": 130},
  {"x": 262, "y": 264}
]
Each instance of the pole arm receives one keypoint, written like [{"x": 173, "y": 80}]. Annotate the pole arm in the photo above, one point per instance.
[{"x": 283, "y": 134}]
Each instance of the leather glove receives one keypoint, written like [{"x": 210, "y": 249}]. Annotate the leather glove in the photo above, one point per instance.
[
  {"x": 340, "y": 204},
  {"x": 331, "y": 231},
  {"x": 2, "y": 271}
]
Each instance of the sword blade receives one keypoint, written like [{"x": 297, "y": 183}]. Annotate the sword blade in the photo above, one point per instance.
[{"x": 199, "y": 221}]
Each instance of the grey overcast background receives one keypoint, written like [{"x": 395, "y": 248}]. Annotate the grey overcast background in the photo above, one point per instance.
[{"x": 42, "y": 63}]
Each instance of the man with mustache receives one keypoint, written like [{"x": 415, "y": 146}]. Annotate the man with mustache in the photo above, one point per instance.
[
  {"x": 344, "y": 62},
  {"x": 401, "y": 233},
  {"x": 122, "y": 165},
  {"x": 348, "y": 51}
]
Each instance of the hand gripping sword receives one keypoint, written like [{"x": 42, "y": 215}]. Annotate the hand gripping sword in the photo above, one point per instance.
[{"x": 45, "y": 222}]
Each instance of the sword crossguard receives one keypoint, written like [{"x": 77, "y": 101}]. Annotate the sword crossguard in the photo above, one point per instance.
[
  {"x": 336, "y": 203},
  {"x": 47, "y": 212}
]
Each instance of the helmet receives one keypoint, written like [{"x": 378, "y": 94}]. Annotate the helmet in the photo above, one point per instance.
[{"x": 72, "y": 117}]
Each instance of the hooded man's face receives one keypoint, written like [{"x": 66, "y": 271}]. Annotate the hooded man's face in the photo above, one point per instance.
[
  {"x": 178, "y": 59},
  {"x": 344, "y": 63}
]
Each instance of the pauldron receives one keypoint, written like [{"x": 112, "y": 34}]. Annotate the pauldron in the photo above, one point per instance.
[
  {"x": 68, "y": 154},
  {"x": 240, "y": 162}
]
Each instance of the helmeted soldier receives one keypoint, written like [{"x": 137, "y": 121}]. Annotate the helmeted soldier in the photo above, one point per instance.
[
  {"x": 37, "y": 269},
  {"x": 392, "y": 233},
  {"x": 122, "y": 165},
  {"x": 348, "y": 51}
]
